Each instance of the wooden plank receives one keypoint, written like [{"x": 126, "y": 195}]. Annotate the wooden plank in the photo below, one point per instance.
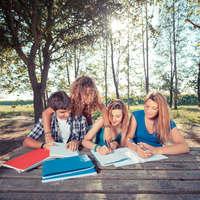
[
  {"x": 114, "y": 175},
  {"x": 147, "y": 166},
  {"x": 155, "y": 166},
  {"x": 89, "y": 196},
  {"x": 80, "y": 185}
]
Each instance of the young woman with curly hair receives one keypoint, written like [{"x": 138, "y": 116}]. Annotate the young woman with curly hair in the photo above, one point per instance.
[
  {"x": 152, "y": 127},
  {"x": 85, "y": 99},
  {"x": 118, "y": 115}
]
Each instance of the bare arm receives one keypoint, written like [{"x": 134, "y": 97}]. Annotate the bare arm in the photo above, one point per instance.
[
  {"x": 46, "y": 117},
  {"x": 34, "y": 144},
  {"x": 179, "y": 146},
  {"x": 87, "y": 141},
  {"x": 130, "y": 134},
  {"x": 107, "y": 132}
]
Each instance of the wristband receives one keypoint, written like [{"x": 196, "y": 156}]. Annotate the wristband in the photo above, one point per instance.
[
  {"x": 106, "y": 126},
  {"x": 47, "y": 133},
  {"x": 42, "y": 146},
  {"x": 95, "y": 148}
]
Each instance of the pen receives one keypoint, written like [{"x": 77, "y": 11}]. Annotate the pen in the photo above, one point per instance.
[
  {"x": 106, "y": 143},
  {"x": 136, "y": 144}
]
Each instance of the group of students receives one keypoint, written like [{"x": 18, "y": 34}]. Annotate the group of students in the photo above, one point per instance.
[{"x": 69, "y": 120}]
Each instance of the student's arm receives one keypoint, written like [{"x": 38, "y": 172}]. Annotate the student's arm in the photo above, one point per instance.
[
  {"x": 179, "y": 146},
  {"x": 130, "y": 134},
  {"x": 107, "y": 131},
  {"x": 46, "y": 117},
  {"x": 87, "y": 141},
  {"x": 34, "y": 144}
]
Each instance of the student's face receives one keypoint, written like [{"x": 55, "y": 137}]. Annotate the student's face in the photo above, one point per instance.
[
  {"x": 151, "y": 109},
  {"x": 116, "y": 117},
  {"x": 63, "y": 114},
  {"x": 87, "y": 96}
]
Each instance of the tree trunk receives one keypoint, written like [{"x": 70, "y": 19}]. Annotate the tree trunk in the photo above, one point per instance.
[
  {"x": 113, "y": 70},
  {"x": 147, "y": 52},
  {"x": 172, "y": 76},
  {"x": 198, "y": 85},
  {"x": 175, "y": 70},
  {"x": 106, "y": 66},
  {"x": 67, "y": 71},
  {"x": 128, "y": 68},
  {"x": 143, "y": 51}
]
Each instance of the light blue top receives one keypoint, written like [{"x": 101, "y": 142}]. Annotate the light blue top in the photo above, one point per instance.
[
  {"x": 99, "y": 137},
  {"x": 141, "y": 133}
]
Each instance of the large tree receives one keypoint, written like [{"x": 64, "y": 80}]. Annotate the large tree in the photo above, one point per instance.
[{"x": 49, "y": 26}]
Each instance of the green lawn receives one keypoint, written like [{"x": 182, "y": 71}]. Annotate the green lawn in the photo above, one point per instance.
[{"x": 184, "y": 114}]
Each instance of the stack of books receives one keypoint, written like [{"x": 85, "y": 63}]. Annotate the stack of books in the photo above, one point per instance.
[{"x": 58, "y": 164}]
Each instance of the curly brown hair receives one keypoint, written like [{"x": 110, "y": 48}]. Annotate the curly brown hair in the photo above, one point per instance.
[{"x": 79, "y": 89}]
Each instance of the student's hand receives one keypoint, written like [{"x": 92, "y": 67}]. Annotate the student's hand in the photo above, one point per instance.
[
  {"x": 152, "y": 150},
  {"x": 143, "y": 153},
  {"x": 103, "y": 150},
  {"x": 73, "y": 145},
  {"x": 113, "y": 144},
  {"x": 47, "y": 146}
]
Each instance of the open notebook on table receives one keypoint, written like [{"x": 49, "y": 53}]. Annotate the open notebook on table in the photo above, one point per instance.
[
  {"x": 134, "y": 158},
  {"x": 110, "y": 159}
]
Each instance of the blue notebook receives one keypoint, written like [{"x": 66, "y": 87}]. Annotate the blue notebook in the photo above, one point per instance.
[{"x": 67, "y": 168}]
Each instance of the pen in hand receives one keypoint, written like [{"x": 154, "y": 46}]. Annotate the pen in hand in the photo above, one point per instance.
[
  {"x": 107, "y": 144},
  {"x": 136, "y": 144}
]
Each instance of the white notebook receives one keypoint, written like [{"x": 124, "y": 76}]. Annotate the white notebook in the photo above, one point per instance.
[
  {"x": 59, "y": 151},
  {"x": 134, "y": 158}
]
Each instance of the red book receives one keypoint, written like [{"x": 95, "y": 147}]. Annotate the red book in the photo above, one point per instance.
[{"x": 28, "y": 161}]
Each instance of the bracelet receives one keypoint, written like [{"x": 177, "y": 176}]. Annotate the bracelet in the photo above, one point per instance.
[
  {"x": 48, "y": 136},
  {"x": 95, "y": 148},
  {"x": 42, "y": 146},
  {"x": 106, "y": 126},
  {"x": 47, "y": 133}
]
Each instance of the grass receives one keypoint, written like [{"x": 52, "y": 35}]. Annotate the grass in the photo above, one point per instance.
[
  {"x": 183, "y": 115},
  {"x": 16, "y": 110}
]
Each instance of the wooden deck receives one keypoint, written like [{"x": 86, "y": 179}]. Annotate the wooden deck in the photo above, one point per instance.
[{"x": 177, "y": 177}]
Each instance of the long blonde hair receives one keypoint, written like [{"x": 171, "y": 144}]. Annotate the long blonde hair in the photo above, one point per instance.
[
  {"x": 119, "y": 104},
  {"x": 162, "y": 121},
  {"x": 78, "y": 89}
]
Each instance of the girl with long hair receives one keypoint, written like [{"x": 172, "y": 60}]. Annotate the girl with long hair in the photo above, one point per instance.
[
  {"x": 118, "y": 116},
  {"x": 152, "y": 127},
  {"x": 85, "y": 99}
]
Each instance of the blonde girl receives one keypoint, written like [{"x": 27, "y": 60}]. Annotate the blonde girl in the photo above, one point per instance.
[
  {"x": 152, "y": 127},
  {"x": 118, "y": 116}
]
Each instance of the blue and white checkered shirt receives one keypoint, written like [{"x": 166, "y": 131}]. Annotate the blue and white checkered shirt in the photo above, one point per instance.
[{"x": 79, "y": 128}]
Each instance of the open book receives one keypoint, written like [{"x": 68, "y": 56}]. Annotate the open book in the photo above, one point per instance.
[
  {"x": 36, "y": 157},
  {"x": 134, "y": 158},
  {"x": 110, "y": 159},
  {"x": 59, "y": 151},
  {"x": 67, "y": 168}
]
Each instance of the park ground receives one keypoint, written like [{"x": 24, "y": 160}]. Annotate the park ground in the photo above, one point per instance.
[{"x": 14, "y": 129}]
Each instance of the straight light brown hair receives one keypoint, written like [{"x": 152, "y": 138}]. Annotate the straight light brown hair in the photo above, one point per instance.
[
  {"x": 119, "y": 104},
  {"x": 162, "y": 121}
]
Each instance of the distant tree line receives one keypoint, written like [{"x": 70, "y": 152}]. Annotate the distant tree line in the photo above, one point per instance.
[{"x": 183, "y": 99}]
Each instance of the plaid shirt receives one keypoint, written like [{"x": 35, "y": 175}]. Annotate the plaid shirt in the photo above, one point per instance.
[{"x": 78, "y": 125}]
